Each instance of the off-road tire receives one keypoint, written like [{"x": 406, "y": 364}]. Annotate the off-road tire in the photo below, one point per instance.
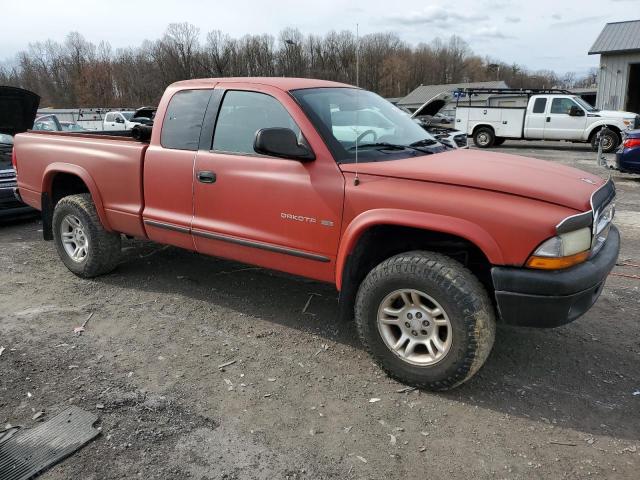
[
  {"x": 104, "y": 247},
  {"x": 457, "y": 290},
  {"x": 481, "y": 134},
  {"x": 608, "y": 146}
]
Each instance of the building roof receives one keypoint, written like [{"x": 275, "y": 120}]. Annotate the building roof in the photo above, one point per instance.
[
  {"x": 424, "y": 93},
  {"x": 618, "y": 37}
]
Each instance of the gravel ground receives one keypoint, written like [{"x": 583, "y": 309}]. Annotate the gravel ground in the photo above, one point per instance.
[{"x": 301, "y": 398}]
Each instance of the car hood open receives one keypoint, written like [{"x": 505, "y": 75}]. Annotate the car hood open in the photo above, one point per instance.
[
  {"x": 18, "y": 109},
  {"x": 432, "y": 106},
  {"x": 512, "y": 174}
]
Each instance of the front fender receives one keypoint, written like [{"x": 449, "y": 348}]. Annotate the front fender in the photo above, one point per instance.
[
  {"x": 425, "y": 221},
  {"x": 60, "y": 167},
  {"x": 599, "y": 124}
]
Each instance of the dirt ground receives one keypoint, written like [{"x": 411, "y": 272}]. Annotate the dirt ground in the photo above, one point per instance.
[{"x": 561, "y": 403}]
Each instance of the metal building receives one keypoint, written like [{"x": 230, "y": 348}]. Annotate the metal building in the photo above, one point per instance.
[{"x": 619, "y": 77}]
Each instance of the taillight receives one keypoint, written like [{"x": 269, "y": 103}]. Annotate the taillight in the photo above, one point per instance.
[
  {"x": 14, "y": 160},
  {"x": 632, "y": 142}
]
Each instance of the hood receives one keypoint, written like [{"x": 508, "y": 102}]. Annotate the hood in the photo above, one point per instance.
[
  {"x": 613, "y": 114},
  {"x": 146, "y": 112},
  {"x": 512, "y": 174},
  {"x": 432, "y": 106},
  {"x": 18, "y": 110}
]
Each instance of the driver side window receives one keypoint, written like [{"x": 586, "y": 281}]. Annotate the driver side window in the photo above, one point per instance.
[
  {"x": 562, "y": 105},
  {"x": 242, "y": 114}
]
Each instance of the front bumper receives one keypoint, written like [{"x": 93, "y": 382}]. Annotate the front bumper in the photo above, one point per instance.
[{"x": 536, "y": 298}]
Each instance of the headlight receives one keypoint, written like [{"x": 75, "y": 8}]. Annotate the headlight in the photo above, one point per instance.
[
  {"x": 562, "y": 251},
  {"x": 602, "y": 225}
]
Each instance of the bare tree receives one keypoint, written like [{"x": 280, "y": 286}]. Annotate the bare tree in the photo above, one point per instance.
[{"x": 78, "y": 73}]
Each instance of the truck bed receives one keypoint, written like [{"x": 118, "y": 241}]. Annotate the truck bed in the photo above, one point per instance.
[
  {"x": 110, "y": 165},
  {"x": 507, "y": 122}
]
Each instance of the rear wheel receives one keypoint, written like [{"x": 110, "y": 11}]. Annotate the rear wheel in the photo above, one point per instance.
[
  {"x": 484, "y": 137},
  {"x": 84, "y": 246},
  {"x": 425, "y": 319}
]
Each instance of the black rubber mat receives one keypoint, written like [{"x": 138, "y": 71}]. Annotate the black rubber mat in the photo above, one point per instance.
[{"x": 30, "y": 452}]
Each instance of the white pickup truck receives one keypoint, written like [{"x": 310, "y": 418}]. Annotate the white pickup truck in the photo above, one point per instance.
[{"x": 548, "y": 115}]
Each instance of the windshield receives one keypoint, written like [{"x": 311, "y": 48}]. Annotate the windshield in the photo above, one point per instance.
[
  {"x": 346, "y": 117},
  {"x": 127, "y": 115},
  {"x": 584, "y": 104},
  {"x": 6, "y": 139}
]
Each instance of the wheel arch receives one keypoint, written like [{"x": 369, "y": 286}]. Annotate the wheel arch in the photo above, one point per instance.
[
  {"x": 417, "y": 222},
  {"x": 482, "y": 125},
  {"x": 599, "y": 126},
  {"x": 62, "y": 179}
]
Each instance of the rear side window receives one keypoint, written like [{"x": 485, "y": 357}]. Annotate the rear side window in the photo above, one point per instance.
[
  {"x": 109, "y": 117},
  {"x": 539, "y": 105},
  {"x": 242, "y": 114},
  {"x": 183, "y": 120}
]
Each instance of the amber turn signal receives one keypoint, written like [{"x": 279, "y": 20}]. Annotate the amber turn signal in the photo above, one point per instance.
[{"x": 557, "y": 263}]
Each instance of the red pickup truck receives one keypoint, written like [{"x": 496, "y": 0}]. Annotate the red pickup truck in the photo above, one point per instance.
[{"x": 428, "y": 246}]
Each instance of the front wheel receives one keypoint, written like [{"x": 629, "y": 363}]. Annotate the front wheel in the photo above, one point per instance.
[
  {"x": 425, "y": 319},
  {"x": 84, "y": 246},
  {"x": 610, "y": 141}
]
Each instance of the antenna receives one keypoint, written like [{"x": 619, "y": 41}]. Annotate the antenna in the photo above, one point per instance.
[{"x": 356, "y": 180}]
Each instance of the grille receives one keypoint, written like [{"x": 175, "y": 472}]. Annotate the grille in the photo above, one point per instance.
[
  {"x": 603, "y": 204},
  {"x": 8, "y": 178}
]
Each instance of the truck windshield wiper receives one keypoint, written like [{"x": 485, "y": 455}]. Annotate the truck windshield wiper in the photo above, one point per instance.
[{"x": 389, "y": 146}]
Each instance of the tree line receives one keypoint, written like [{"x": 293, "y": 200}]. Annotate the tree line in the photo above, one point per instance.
[{"x": 78, "y": 73}]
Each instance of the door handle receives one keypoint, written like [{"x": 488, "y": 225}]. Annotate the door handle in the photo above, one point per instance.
[
  {"x": 548, "y": 119},
  {"x": 206, "y": 176}
]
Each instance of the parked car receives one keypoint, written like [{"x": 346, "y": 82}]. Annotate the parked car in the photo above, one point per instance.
[
  {"x": 549, "y": 115},
  {"x": 429, "y": 117},
  {"x": 448, "y": 136},
  {"x": 17, "y": 113},
  {"x": 628, "y": 156},
  {"x": 441, "y": 118},
  {"x": 144, "y": 115},
  {"x": 428, "y": 246},
  {"x": 119, "y": 121},
  {"x": 72, "y": 127},
  {"x": 47, "y": 123}
]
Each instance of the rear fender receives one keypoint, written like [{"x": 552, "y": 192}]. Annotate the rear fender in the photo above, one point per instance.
[
  {"x": 59, "y": 167},
  {"x": 422, "y": 220}
]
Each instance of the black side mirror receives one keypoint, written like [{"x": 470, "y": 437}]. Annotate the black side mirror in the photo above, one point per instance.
[
  {"x": 576, "y": 111},
  {"x": 119, "y": 120},
  {"x": 283, "y": 143}
]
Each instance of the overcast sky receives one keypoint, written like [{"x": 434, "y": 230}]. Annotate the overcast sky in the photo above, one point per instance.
[{"x": 540, "y": 34}]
